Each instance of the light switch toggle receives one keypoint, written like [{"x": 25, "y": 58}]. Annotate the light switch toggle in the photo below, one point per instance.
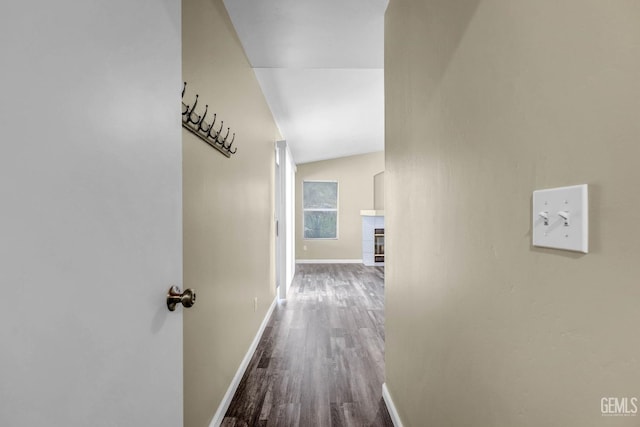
[
  {"x": 565, "y": 217},
  {"x": 545, "y": 217}
]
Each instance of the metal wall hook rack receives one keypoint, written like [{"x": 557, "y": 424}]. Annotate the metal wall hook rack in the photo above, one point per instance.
[{"x": 197, "y": 125}]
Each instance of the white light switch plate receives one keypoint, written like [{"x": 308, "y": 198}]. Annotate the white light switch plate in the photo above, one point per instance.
[{"x": 566, "y": 225}]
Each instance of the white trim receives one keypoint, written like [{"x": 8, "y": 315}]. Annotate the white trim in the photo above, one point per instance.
[
  {"x": 280, "y": 217},
  {"x": 285, "y": 215},
  {"x": 393, "y": 412},
  {"x": 328, "y": 261},
  {"x": 235, "y": 382}
]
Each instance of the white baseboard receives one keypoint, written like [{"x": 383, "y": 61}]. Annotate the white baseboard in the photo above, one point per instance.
[
  {"x": 328, "y": 261},
  {"x": 393, "y": 412},
  {"x": 235, "y": 382}
]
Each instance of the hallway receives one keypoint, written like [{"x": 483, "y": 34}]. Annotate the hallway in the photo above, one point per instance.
[{"x": 320, "y": 361}]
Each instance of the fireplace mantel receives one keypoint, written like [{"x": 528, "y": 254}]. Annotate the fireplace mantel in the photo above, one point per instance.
[{"x": 371, "y": 213}]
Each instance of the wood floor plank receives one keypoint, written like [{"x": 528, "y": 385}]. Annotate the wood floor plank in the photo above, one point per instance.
[{"x": 320, "y": 361}]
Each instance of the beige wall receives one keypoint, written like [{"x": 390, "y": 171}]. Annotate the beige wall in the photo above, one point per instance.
[
  {"x": 378, "y": 191},
  {"x": 228, "y": 211},
  {"x": 355, "y": 192},
  {"x": 487, "y": 101}
]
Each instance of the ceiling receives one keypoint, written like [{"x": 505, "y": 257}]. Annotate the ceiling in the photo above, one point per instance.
[{"x": 320, "y": 66}]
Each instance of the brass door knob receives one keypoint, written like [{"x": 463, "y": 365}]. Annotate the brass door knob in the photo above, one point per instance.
[{"x": 176, "y": 296}]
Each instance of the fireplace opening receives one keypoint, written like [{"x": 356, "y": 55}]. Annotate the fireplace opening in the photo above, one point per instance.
[{"x": 378, "y": 239}]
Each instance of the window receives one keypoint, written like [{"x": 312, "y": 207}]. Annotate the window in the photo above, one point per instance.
[{"x": 320, "y": 209}]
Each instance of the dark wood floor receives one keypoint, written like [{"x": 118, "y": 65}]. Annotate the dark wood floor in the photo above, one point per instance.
[{"x": 321, "y": 359}]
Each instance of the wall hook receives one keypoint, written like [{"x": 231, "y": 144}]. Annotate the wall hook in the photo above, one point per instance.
[
  {"x": 200, "y": 127},
  {"x": 192, "y": 113},
  {"x": 211, "y": 127},
  {"x": 215, "y": 138},
  {"x": 224, "y": 139},
  {"x": 228, "y": 147}
]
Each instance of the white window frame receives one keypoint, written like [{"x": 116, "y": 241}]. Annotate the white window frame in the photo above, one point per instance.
[{"x": 336, "y": 210}]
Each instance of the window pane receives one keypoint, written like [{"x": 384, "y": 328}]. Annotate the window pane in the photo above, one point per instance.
[
  {"x": 320, "y": 224},
  {"x": 320, "y": 195}
]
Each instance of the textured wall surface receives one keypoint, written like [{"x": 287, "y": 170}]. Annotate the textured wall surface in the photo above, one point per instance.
[
  {"x": 378, "y": 196},
  {"x": 487, "y": 101},
  {"x": 228, "y": 210}
]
